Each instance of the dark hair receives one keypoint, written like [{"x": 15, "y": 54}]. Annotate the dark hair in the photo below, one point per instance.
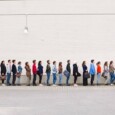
[
  {"x": 68, "y": 61},
  {"x": 48, "y": 61},
  {"x": 105, "y": 64},
  {"x": 60, "y": 63},
  {"x": 13, "y": 61},
  {"x": 39, "y": 63},
  {"x": 92, "y": 60},
  {"x": 83, "y": 63},
  {"x": 98, "y": 62},
  {"x": 111, "y": 62},
  {"x": 19, "y": 62},
  {"x": 9, "y": 60},
  {"x": 2, "y": 62},
  {"x": 26, "y": 63},
  {"x": 54, "y": 62},
  {"x": 34, "y": 61}
]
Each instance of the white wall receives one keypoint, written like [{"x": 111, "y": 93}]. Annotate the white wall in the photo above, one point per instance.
[{"x": 57, "y": 37}]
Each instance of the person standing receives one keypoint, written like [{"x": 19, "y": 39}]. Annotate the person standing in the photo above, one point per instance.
[
  {"x": 68, "y": 68},
  {"x": 3, "y": 72},
  {"x": 106, "y": 73},
  {"x": 111, "y": 70},
  {"x": 40, "y": 72},
  {"x": 60, "y": 71},
  {"x": 34, "y": 70},
  {"x": 98, "y": 72},
  {"x": 9, "y": 70},
  {"x": 75, "y": 73},
  {"x": 85, "y": 69},
  {"x": 19, "y": 73},
  {"x": 14, "y": 71},
  {"x": 48, "y": 71},
  {"x": 28, "y": 73},
  {"x": 92, "y": 71},
  {"x": 54, "y": 72}
]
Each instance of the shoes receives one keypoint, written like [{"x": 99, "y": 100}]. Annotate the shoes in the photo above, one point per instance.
[
  {"x": 3, "y": 84},
  {"x": 54, "y": 85},
  {"x": 75, "y": 85},
  {"x": 40, "y": 85}
]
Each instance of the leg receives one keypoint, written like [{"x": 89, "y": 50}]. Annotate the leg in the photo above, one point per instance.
[{"x": 75, "y": 79}]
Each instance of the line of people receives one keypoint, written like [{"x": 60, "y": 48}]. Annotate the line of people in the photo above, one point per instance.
[{"x": 10, "y": 68}]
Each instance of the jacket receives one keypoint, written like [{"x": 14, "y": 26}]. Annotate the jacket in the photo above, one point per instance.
[
  {"x": 34, "y": 69},
  {"x": 40, "y": 69},
  {"x": 98, "y": 69},
  {"x": 14, "y": 69},
  {"x": 28, "y": 71},
  {"x": 54, "y": 69},
  {"x": 48, "y": 68},
  {"x": 111, "y": 68},
  {"x": 3, "y": 69},
  {"x": 60, "y": 69},
  {"x": 92, "y": 69},
  {"x": 68, "y": 68},
  {"x": 75, "y": 69}
]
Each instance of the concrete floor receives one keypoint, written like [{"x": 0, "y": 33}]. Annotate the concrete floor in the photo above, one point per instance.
[{"x": 96, "y": 100}]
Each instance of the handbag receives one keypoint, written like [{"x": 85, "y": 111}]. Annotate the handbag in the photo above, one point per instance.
[
  {"x": 78, "y": 74},
  {"x": 66, "y": 73},
  {"x": 18, "y": 74},
  {"x": 3, "y": 77},
  {"x": 86, "y": 75},
  {"x": 103, "y": 75}
]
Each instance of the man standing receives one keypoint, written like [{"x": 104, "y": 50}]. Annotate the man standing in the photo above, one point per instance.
[
  {"x": 14, "y": 71},
  {"x": 92, "y": 71},
  {"x": 9, "y": 69},
  {"x": 68, "y": 68}
]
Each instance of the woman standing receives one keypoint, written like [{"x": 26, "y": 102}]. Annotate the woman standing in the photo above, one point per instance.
[
  {"x": 3, "y": 72},
  {"x": 85, "y": 69},
  {"x": 60, "y": 71},
  {"x": 111, "y": 70},
  {"x": 106, "y": 73},
  {"x": 40, "y": 72},
  {"x": 34, "y": 70},
  {"x": 54, "y": 72},
  {"x": 48, "y": 71},
  {"x": 75, "y": 73},
  {"x": 98, "y": 72},
  {"x": 19, "y": 73},
  {"x": 14, "y": 71},
  {"x": 28, "y": 73}
]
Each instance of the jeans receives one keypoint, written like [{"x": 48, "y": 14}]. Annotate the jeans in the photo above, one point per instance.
[
  {"x": 34, "y": 79},
  {"x": 92, "y": 78},
  {"x": 98, "y": 77},
  {"x": 60, "y": 78},
  {"x": 18, "y": 80},
  {"x": 75, "y": 79},
  {"x": 54, "y": 78},
  {"x": 67, "y": 80},
  {"x": 112, "y": 77},
  {"x": 8, "y": 78},
  {"x": 48, "y": 77}
]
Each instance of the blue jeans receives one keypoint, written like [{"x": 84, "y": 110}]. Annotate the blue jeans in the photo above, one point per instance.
[
  {"x": 54, "y": 78},
  {"x": 8, "y": 78},
  {"x": 67, "y": 80},
  {"x": 98, "y": 77},
  {"x": 60, "y": 78},
  {"x": 112, "y": 77},
  {"x": 48, "y": 77}
]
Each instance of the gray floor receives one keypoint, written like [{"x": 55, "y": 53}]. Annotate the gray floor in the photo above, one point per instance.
[{"x": 57, "y": 100}]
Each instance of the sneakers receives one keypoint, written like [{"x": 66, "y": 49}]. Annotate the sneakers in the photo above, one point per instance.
[
  {"x": 112, "y": 84},
  {"x": 3, "y": 84},
  {"x": 40, "y": 85},
  {"x": 75, "y": 85},
  {"x": 54, "y": 85}
]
